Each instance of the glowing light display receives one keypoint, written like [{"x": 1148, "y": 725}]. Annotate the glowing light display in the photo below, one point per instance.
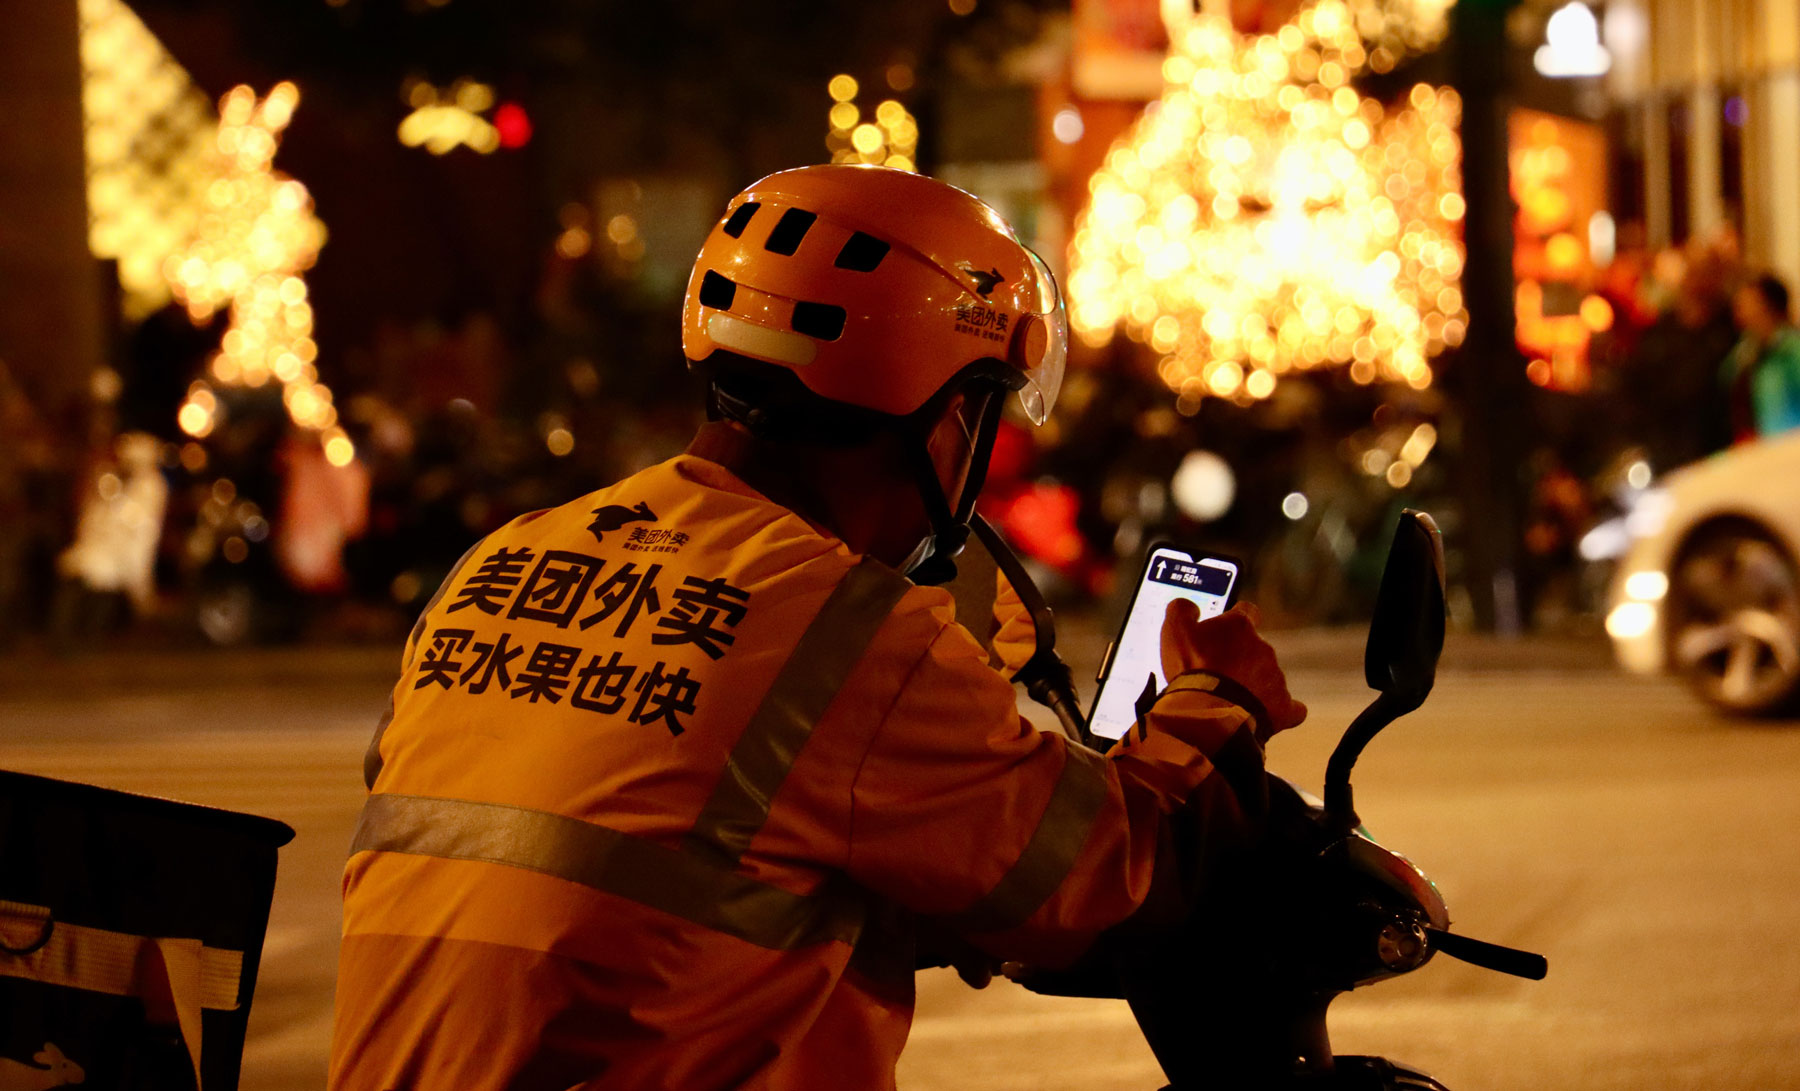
[
  {"x": 1392, "y": 29},
  {"x": 442, "y": 121},
  {"x": 1264, "y": 217},
  {"x": 149, "y": 139},
  {"x": 192, "y": 209},
  {"x": 512, "y": 124},
  {"x": 257, "y": 235},
  {"x": 1396, "y": 28},
  {"x": 1557, "y": 166},
  {"x": 891, "y": 139},
  {"x": 1572, "y": 46}
]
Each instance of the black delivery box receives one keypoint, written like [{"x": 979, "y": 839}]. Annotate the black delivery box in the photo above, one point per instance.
[{"x": 130, "y": 932}]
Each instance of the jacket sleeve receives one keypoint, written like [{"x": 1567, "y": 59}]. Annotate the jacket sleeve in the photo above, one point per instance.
[
  {"x": 1015, "y": 638},
  {"x": 1030, "y": 845}
]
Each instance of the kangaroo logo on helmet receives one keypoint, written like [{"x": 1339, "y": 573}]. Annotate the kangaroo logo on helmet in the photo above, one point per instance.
[
  {"x": 985, "y": 282},
  {"x": 614, "y": 516}
]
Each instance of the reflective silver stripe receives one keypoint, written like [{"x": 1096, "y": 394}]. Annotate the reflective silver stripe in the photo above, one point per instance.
[
  {"x": 1224, "y": 689},
  {"x": 814, "y": 672},
  {"x": 696, "y": 890},
  {"x": 1077, "y": 798},
  {"x": 975, "y": 588}
]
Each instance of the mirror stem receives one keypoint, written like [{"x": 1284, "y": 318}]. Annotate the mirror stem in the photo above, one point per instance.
[
  {"x": 1045, "y": 676},
  {"x": 1054, "y": 688},
  {"x": 1340, "y": 807}
]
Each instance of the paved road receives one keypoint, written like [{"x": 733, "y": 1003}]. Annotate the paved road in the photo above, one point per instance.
[{"x": 1647, "y": 847}]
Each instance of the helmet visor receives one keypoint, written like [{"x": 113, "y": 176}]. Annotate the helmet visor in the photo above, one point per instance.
[{"x": 1043, "y": 376}]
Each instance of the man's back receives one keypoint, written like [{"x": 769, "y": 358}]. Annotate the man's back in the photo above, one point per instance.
[
  {"x": 595, "y": 710},
  {"x": 671, "y": 771}
]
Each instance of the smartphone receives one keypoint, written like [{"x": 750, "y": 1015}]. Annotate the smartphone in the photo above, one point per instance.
[{"x": 1134, "y": 659}]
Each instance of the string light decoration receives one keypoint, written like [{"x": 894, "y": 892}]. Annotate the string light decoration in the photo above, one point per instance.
[
  {"x": 1264, "y": 217},
  {"x": 257, "y": 235},
  {"x": 1396, "y": 29},
  {"x": 890, "y": 140},
  {"x": 1391, "y": 29},
  {"x": 442, "y": 121},
  {"x": 149, "y": 136},
  {"x": 1556, "y": 314}
]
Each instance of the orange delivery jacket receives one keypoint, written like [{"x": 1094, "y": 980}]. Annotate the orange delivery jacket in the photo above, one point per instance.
[{"x": 670, "y": 774}]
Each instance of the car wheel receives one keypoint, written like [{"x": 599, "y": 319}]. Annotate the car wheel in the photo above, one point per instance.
[{"x": 1734, "y": 621}]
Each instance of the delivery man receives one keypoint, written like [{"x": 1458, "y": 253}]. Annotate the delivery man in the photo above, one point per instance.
[{"x": 673, "y": 773}]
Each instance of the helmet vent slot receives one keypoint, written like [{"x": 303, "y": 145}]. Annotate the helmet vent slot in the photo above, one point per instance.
[
  {"x": 734, "y": 226},
  {"x": 717, "y": 291},
  {"x": 862, "y": 253},
  {"x": 789, "y": 230},
  {"x": 824, "y": 321}
]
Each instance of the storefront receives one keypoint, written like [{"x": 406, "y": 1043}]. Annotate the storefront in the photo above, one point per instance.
[{"x": 1708, "y": 95}]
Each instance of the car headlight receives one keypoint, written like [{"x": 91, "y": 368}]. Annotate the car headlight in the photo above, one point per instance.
[
  {"x": 1647, "y": 586},
  {"x": 1630, "y": 620}
]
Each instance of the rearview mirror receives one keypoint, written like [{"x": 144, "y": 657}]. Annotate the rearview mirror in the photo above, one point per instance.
[{"x": 1406, "y": 636}]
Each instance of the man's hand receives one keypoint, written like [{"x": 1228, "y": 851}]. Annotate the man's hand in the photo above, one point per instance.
[
  {"x": 1229, "y": 645},
  {"x": 938, "y": 946}
]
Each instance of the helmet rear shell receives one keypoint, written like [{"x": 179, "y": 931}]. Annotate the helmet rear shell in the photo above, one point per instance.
[{"x": 875, "y": 287}]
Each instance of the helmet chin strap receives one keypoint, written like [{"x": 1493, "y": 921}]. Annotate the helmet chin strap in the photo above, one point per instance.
[
  {"x": 949, "y": 529},
  {"x": 938, "y": 563}
]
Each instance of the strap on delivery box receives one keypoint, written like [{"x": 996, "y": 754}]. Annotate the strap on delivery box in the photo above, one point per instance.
[{"x": 130, "y": 932}]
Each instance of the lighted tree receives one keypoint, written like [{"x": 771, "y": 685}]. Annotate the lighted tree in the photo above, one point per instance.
[
  {"x": 1391, "y": 29},
  {"x": 1264, "y": 217},
  {"x": 148, "y": 132},
  {"x": 256, "y": 237}
]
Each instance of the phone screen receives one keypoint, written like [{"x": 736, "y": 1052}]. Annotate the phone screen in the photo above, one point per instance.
[{"x": 1136, "y": 654}]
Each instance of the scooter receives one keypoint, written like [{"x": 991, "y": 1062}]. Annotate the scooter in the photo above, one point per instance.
[{"x": 1317, "y": 909}]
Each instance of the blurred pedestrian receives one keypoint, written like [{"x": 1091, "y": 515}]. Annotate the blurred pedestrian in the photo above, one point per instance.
[
  {"x": 1677, "y": 409},
  {"x": 113, "y": 557},
  {"x": 1762, "y": 373},
  {"x": 324, "y": 505},
  {"x": 1558, "y": 511}
]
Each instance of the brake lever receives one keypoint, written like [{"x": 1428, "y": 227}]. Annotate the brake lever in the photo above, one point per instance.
[{"x": 1489, "y": 956}]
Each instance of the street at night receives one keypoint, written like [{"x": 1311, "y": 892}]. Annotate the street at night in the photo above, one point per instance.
[
  {"x": 1641, "y": 842},
  {"x": 595, "y": 395}
]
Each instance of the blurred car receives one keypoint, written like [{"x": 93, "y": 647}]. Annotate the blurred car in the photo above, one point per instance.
[{"x": 1707, "y": 583}]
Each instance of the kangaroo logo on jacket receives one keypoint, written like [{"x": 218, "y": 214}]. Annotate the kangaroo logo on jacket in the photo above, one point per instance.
[{"x": 614, "y": 516}]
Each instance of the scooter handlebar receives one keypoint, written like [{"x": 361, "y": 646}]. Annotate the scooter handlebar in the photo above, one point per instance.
[{"x": 1490, "y": 956}]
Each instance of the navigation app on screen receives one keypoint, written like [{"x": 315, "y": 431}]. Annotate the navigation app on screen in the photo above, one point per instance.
[{"x": 1169, "y": 575}]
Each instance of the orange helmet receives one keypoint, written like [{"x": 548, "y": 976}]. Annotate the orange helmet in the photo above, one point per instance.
[
  {"x": 878, "y": 289},
  {"x": 833, "y": 300}
]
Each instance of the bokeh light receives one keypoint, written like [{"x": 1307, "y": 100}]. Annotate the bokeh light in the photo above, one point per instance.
[
  {"x": 444, "y": 120},
  {"x": 1267, "y": 218},
  {"x": 149, "y": 134},
  {"x": 888, "y": 137},
  {"x": 246, "y": 255}
]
